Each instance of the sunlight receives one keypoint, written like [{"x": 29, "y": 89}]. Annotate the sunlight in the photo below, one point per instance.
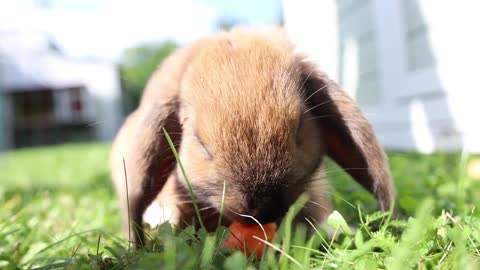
[
  {"x": 421, "y": 132},
  {"x": 351, "y": 68}
]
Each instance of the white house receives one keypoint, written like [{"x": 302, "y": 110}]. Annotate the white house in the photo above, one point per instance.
[
  {"x": 49, "y": 97},
  {"x": 412, "y": 65}
]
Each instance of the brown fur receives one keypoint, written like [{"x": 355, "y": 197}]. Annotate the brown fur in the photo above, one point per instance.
[{"x": 232, "y": 104}]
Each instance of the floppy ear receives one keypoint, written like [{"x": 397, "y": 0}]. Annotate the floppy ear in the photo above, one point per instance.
[
  {"x": 348, "y": 136},
  {"x": 149, "y": 161}
]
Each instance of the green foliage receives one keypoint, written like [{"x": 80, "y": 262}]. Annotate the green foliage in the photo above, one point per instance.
[
  {"x": 2, "y": 121},
  {"x": 58, "y": 210},
  {"x": 54, "y": 203},
  {"x": 138, "y": 64}
]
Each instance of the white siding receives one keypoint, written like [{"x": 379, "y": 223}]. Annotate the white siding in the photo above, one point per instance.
[
  {"x": 27, "y": 62},
  {"x": 419, "y": 52},
  {"x": 410, "y": 64},
  {"x": 358, "y": 59}
]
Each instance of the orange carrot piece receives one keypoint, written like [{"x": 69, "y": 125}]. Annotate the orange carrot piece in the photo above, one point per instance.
[{"x": 242, "y": 237}]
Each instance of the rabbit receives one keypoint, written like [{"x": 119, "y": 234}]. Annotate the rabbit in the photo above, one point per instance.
[{"x": 252, "y": 121}]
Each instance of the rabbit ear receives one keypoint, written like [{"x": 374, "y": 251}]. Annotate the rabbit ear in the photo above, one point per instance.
[
  {"x": 141, "y": 142},
  {"x": 148, "y": 162},
  {"x": 348, "y": 136}
]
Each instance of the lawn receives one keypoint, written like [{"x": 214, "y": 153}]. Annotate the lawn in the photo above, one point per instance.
[{"x": 58, "y": 210}]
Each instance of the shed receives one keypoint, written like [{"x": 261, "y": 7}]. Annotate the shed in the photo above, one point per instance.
[{"x": 52, "y": 98}]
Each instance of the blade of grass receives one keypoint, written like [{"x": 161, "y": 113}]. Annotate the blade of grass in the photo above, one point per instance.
[
  {"x": 279, "y": 250},
  {"x": 287, "y": 224},
  {"x": 221, "y": 205},
  {"x": 461, "y": 184},
  {"x": 327, "y": 249},
  {"x": 128, "y": 204},
  {"x": 189, "y": 186},
  {"x": 98, "y": 242}
]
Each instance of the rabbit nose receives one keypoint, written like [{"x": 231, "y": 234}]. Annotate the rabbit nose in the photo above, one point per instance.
[{"x": 267, "y": 208}]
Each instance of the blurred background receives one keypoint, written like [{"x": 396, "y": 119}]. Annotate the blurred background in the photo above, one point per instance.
[{"x": 71, "y": 70}]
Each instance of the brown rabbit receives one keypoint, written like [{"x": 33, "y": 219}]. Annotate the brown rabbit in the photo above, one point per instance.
[{"x": 244, "y": 110}]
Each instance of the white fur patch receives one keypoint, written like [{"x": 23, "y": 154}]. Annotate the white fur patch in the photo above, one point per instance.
[{"x": 157, "y": 214}]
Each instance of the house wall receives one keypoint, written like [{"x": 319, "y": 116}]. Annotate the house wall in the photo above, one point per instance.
[
  {"x": 103, "y": 93},
  {"x": 412, "y": 71},
  {"x": 30, "y": 64}
]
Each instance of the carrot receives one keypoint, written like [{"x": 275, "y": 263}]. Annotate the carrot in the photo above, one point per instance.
[{"x": 242, "y": 237}]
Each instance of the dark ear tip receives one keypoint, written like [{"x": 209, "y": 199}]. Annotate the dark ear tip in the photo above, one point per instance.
[{"x": 386, "y": 196}]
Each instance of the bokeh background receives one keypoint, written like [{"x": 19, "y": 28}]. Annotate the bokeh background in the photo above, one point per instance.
[{"x": 71, "y": 70}]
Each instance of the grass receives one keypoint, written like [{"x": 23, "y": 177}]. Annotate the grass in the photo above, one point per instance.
[{"x": 58, "y": 210}]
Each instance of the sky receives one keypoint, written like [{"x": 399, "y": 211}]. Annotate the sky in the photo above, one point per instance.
[{"x": 104, "y": 28}]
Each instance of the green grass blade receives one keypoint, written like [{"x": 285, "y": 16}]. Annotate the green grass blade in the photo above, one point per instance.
[{"x": 189, "y": 186}]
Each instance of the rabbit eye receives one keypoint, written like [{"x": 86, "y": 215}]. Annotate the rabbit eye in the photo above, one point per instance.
[{"x": 205, "y": 148}]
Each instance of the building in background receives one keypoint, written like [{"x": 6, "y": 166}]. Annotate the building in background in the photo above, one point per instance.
[
  {"x": 51, "y": 98},
  {"x": 410, "y": 64}
]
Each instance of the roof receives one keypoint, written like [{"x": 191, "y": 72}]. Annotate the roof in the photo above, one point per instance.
[{"x": 30, "y": 61}]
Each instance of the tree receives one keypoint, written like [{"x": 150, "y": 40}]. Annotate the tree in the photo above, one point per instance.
[{"x": 136, "y": 67}]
